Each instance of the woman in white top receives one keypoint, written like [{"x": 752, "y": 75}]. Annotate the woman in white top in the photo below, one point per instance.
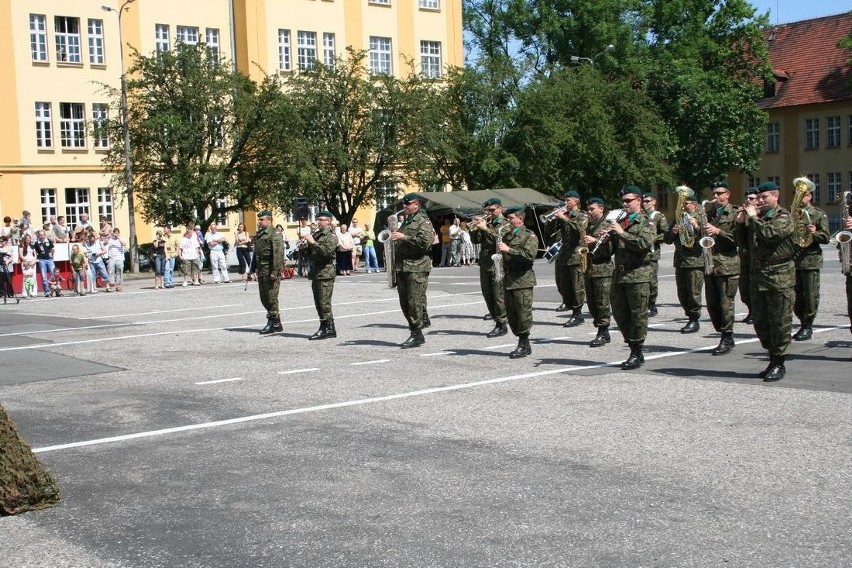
[
  {"x": 189, "y": 254},
  {"x": 115, "y": 260}
]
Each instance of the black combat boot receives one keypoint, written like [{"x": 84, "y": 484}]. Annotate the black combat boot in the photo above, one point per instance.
[
  {"x": 416, "y": 339},
  {"x": 805, "y": 332},
  {"x": 575, "y": 319},
  {"x": 691, "y": 326},
  {"x": 276, "y": 324},
  {"x": 636, "y": 358},
  {"x": 329, "y": 330},
  {"x": 747, "y": 319},
  {"x": 320, "y": 333},
  {"x": 500, "y": 329},
  {"x": 776, "y": 371},
  {"x": 523, "y": 349},
  {"x": 768, "y": 368},
  {"x": 270, "y": 325},
  {"x": 426, "y": 321},
  {"x": 562, "y": 308},
  {"x": 652, "y": 310},
  {"x": 602, "y": 338},
  {"x": 725, "y": 344}
]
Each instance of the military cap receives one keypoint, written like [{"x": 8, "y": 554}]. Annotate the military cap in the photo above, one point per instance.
[
  {"x": 408, "y": 197},
  {"x": 691, "y": 197},
  {"x": 648, "y": 195},
  {"x": 752, "y": 191},
  {"x": 719, "y": 183},
  {"x": 325, "y": 213},
  {"x": 514, "y": 209},
  {"x": 630, "y": 189},
  {"x": 265, "y": 213},
  {"x": 767, "y": 186},
  {"x": 597, "y": 200},
  {"x": 492, "y": 201},
  {"x": 571, "y": 193}
]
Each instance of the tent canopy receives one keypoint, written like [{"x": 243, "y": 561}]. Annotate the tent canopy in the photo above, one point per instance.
[{"x": 467, "y": 203}]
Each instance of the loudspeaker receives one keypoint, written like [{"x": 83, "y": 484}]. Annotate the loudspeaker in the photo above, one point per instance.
[{"x": 301, "y": 208}]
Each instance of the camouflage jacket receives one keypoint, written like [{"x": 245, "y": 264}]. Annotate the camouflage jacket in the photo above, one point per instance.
[
  {"x": 772, "y": 249},
  {"x": 570, "y": 230},
  {"x": 633, "y": 250},
  {"x": 322, "y": 253},
  {"x": 268, "y": 251},
  {"x": 600, "y": 265},
  {"x": 810, "y": 258},
  {"x": 411, "y": 254},
  {"x": 725, "y": 259},
  {"x": 685, "y": 257},
  {"x": 487, "y": 240},
  {"x": 518, "y": 262},
  {"x": 661, "y": 224}
]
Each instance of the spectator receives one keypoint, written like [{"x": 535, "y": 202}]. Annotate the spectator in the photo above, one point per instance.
[
  {"x": 467, "y": 247},
  {"x": 172, "y": 248},
  {"x": 26, "y": 224},
  {"x": 44, "y": 255},
  {"x": 218, "y": 262},
  {"x": 116, "y": 246},
  {"x": 82, "y": 228},
  {"x": 189, "y": 253},
  {"x": 6, "y": 267},
  {"x": 55, "y": 284},
  {"x": 201, "y": 257},
  {"x": 446, "y": 243},
  {"x": 455, "y": 242},
  {"x": 106, "y": 228},
  {"x": 48, "y": 232},
  {"x": 368, "y": 242},
  {"x": 357, "y": 237},
  {"x": 243, "y": 243},
  {"x": 6, "y": 229},
  {"x": 61, "y": 232},
  {"x": 344, "y": 251},
  {"x": 80, "y": 266},
  {"x": 27, "y": 256},
  {"x": 96, "y": 251},
  {"x": 159, "y": 246}
]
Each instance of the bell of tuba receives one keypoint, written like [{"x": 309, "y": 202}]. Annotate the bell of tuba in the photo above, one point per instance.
[
  {"x": 384, "y": 237},
  {"x": 685, "y": 230},
  {"x": 801, "y": 218}
]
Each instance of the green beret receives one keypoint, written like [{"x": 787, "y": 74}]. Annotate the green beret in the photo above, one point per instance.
[
  {"x": 325, "y": 214},
  {"x": 767, "y": 186},
  {"x": 492, "y": 201},
  {"x": 691, "y": 197},
  {"x": 597, "y": 200},
  {"x": 630, "y": 189},
  {"x": 716, "y": 184},
  {"x": 752, "y": 191},
  {"x": 648, "y": 195},
  {"x": 514, "y": 209},
  {"x": 410, "y": 197},
  {"x": 571, "y": 193},
  {"x": 265, "y": 213}
]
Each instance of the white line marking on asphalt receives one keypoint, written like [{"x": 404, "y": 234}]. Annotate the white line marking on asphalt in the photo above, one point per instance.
[
  {"x": 162, "y": 312},
  {"x": 505, "y": 345},
  {"x": 656, "y": 325},
  {"x": 377, "y": 361},
  {"x": 551, "y": 339},
  {"x": 294, "y": 371},
  {"x": 68, "y": 329},
  {"x": 219, "y": 381},
  {"x": 437, "y": 353}
]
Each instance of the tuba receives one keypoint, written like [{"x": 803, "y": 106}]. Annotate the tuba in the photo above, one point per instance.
[
  {"x": 801, "y": 218},
  {"x": 685, "y": 230},
  {"x": 843, "y": 238},
  {"x": 385, "y": 238}
]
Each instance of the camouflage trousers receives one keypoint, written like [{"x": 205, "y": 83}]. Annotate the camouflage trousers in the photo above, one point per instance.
[
  {"x": 411, "y": 287},
  {"x": 492, "y": 291},
  {"x": 745, "y": 284},
  {"x": 323, "y": 290},
  {"x": 689, "y": 283},
  {"x": 268, "y": 288},
  {"x": 630, "y": 309},
  {"x": 807, "y": 296},
  {"x": 519, "y": 310},
  {"x": 655, "y": 266},
  {"x": 772, "y": 312},
  {"x": 569, "y": 283},
  {"x": 598, "y": 292},
  {"x": 720, "y": 293}
]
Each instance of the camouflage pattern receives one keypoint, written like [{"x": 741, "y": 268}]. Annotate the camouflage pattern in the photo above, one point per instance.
[
  {"x": 598, "y": 278},
  {"x": 569, "y": 279},
  {"x": 661, "y": 224},
  {"x": 492, "y": 290},
  {"x": 268, "y": 261},
  {"x": 808, "y": 262},
  {"x": 849, "y": 299},
  {"x": 632, "y": 274},
  {"x": 720, "y": 288},
  {"x": 519, "y": 279},
  {"x": 741, "y": 237},
  {"x": 689, "y": 273},
  {"x": 412, "y": 263},
  {"x": 322, "y": 271}
]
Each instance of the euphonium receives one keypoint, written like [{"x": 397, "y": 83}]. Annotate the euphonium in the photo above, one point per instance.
[
  {"x": 801, "y": 219},
  {"x": 685, "y": 230},
  {"x": 843, "y": 238}
]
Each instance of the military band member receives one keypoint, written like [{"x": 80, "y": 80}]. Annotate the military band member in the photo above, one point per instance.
[
  {"x": 412, "y": 242},
  {"x": 321, "y": 247},
  {"x": 689, "y": 267},
  {"x": 808, "y": 262},
  {"x": 633, "y": 243},
  {"x": 267, "y": 263},
  {"x": 571, "y": 225},
  {"x": 598, "y": 277},
  {"x": 484, "y": 233},
  {"x": 519, "y": 248},
  {"x": 773, "y": 275},
  {"x": 847, "y": 226},
  {"x": 649, "y": 203},
  {"x": 745, "y": 259},
  {"x": 720, "y": 287}
]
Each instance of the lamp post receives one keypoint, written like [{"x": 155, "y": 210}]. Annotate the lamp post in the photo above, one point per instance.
[
  {"x": 125, "y": 127},
  {"x": 591, "y": 61}
]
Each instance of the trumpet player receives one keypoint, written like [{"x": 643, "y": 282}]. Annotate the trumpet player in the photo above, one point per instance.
[
  {"x": 649, "y": 204},
  {"x": 847, "y": 226},
  {"x": 519, "y": 247},
  {"x": 571, "y": 222},
  {"x": 720, "y": 286},
  {"x": 598, "y": 277},
  {"x": 688, "y": 263},
  {"x": 809, "y": 262},
  {"x": 745, "y": 257},
  {"x": 484, "y": 232},
  {"x": 321, "y": 247}
]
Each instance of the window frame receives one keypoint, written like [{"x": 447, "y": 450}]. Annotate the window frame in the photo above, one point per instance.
[
  {"x": 833, "y": 186},
  {"x": 429, "y": 4},
  {"x": 182, "y": 34},
  {"x": 95, "y": 38},
  {"x": 212, "y": 40},
  {"x": 329, "y": 49},
  {"x": 812, "y": 134},
  {"x": 100, "y": 126},
  {"x": 379, "y": 55},
  {"x": 105, "y": 205},
  {"x": 47, "y": 200},
  {"x": 816, "y": 192},
  {"x": 44, "y": 124},
  {"x": 773, "y": 138},
  {"x": 67, "y": 42},
  {"x": 74, "y": 205},
  {"x": 162, "y": 37},
  {"x": 285, "y": 50},
  {"x": 304, "y": 60},
  {"x": 38, "y": 38},
  {"x": 832, "y": 132},
  {"x": 72, "y": 129}
]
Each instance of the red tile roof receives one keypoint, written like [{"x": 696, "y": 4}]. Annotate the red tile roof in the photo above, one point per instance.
[{"x": 807, "y": 63}]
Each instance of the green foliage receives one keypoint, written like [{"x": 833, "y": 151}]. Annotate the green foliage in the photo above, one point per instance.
[{"x": 25, "y": 485}]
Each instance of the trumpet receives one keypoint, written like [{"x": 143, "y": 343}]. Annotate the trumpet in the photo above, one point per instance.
[
  {"x": 548, "y": 217},
  {"x": 476, "y": 218},
  {"x": 385, "y": 235}
]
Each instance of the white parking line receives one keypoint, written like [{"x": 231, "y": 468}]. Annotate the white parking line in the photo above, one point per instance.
[
  {"x": 505, "y": 345},
  {"x": 162, "y": 312},
  {"x": 294, "y": 371},
  {"x": 375, "y": 362},
  {"x": 437, "y": 353},
  {"x": 219, "y": 381}
]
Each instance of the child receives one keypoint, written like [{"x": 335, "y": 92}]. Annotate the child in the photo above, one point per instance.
[
  {"x": 80, "y": 266},
  {"x": 55, "y": 283},
  {"x": 28, "y": 269}
]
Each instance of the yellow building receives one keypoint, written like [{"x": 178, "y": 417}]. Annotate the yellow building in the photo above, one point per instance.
[{"x": 56, "y": 55}]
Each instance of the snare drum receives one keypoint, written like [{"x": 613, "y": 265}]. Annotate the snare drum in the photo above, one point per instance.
[{"x": 552, "y": 250}]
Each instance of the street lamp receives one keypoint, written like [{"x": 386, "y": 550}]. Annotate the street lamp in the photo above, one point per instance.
[
  {"x": 591, "y": 61},
  {"x": 125, "y": 127}
]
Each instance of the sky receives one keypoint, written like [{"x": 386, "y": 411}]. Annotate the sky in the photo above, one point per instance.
[{"x": 784, "y": 11}]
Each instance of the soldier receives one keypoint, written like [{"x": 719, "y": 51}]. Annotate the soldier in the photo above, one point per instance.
[
  {"x": 649, "y": 203},
  {"x": 598, "y": 277},
  {"x": 847, "y": 226},
  {"x": 808, "y": 262},
  {"x": 571, "y": 225},
  {"x": 689, "y": 267},
  {"x": 412, "y": 262},
  {"x": 773, "y": 275},
  {"x": 519, "y": 248},
  {"x": 720, "y": 287},
  {"x": 266, "y": 265},
  {"x": 321, "y": 247},
  {"x": 745, "y": 259},
  {"x": 633, "y": 243},
  {"x": 484, "y": 233}
]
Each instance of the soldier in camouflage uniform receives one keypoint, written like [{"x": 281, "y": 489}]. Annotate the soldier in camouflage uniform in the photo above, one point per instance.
[
  {"x": 484, "y": 233},
  {"x": 745, "y": 259},
  {"x": 571, "y": 225},
  {"x": 847, "y": 226},
  {"x": 519, "y": 249},
  {"x": 773, "y": 275},
  {"x": 267, "y": 263},
  {"x": 413, "y": 262},
  {"x": 649, "y": 204},
  {"x": 633, "y": 243},
  {"x": 321, "y": 246},
  {"x": 808, "y": 262},
  {"x": 720, "y": 287},
  {"x": 599, "y": 274},
  {"x": 689, "y": 267}
]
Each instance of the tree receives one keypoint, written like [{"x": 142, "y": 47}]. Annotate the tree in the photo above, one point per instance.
[
  {"x": 201, "y": 137},
  {"x": 25, "y": 484}
]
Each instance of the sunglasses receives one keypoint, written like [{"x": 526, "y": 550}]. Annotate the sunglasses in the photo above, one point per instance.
[
  {"x": 629, "y": 199},
  {"x": 719, "y": 192}
]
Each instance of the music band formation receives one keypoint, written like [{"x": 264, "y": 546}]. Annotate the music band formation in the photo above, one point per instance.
[{"x": 609, "y": 261}]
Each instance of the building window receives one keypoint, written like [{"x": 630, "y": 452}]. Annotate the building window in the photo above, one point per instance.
[
  {"x": 386, "y": 192},
  {"x": 285, "y": 60},
  {"x": 814, "y": 178},
  {"x": 38, "y": 37},
  {"x": 221, "y": 215},
  {"x": 776, "y": 179},
  {"x": 430, "y": 59},
  {"x": 430, "y": 4},
  {"x": 72, "y": 125},
  {"x": 105, "y": 204},
  {"x": 834, "y": 183},
  {"x": 44, "y": 128},
  {"x": 328, "y": 52},
  {"x": 67, "y": 39},
  {"x": 306, "y": 45},
  {"x": 217, "y": 132},
  {"x": 161, "y": 37},
  {"x": 212, "y": 40},
  {"x": 380, "y": 56},
  {"x": 187, "y": 35},
  {"x": 832, "y": 131},
  {"x": 811, "y": 133},
  {"x": 773, "y": 137},
  {"x": 96, "y": 42},
  {"x": 76, "y": 202},
  {"x": 100, "y": 126},
  {"x": 753, "y": 182},
  {"x": 48, "y": 203},
  {"x": 662, "y": 200},
  {"x": 383, "y": 2}
]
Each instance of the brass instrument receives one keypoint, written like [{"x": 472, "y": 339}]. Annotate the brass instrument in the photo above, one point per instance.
[
  {"x": 497, "y": 257},
  {"x": 582, "y": 249},
  {"x": 614, "y": 216},
  {"x": 706, "y": 242},
  {"x": 384, "y": 237},
  {"x": 801, "y": 234},
  {"x": 548, "y": 217},
  {"x": 685, "y": 230},
  {"x": 552, "y": 251},
  {"x": 843, "y": 238}
]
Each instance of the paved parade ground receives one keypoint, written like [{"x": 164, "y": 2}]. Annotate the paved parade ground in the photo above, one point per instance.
[{"x": 180, "y": 437}]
